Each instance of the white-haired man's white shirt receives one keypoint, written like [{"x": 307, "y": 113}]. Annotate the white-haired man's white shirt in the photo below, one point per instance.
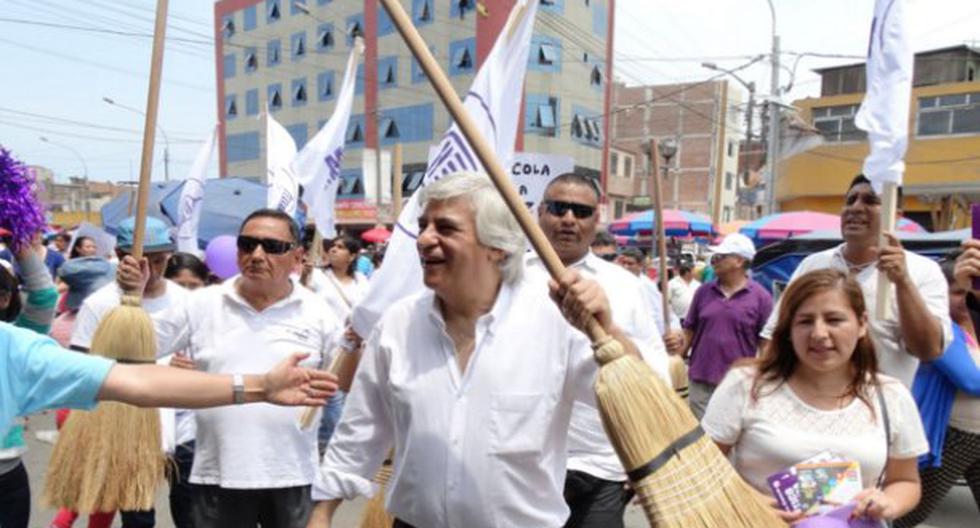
[
  {"x": 894, "y": 359},
  {"x": 589, "y": 449},
  {"x": 256, "y": 446},
  {"x": 485, "y": 447}
]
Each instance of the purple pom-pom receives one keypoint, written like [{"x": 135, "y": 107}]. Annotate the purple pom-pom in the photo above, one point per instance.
[{"x": 20, "y": 211}]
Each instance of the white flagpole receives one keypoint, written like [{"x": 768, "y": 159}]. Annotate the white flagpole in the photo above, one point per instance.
[
  {"x": 317, "y": 166},
  {"x": 493, "y": 102},
  {"x": 884, "y": 115},
  {"x": 192, "y": 196}
]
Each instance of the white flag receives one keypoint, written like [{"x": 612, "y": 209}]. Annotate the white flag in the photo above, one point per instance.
[
  {"x": 280, "y": 149},
  {"x": 884, "y": 114},
  {"x": 493, "y": 103},
  {"x": 317, "y": 166},
  {"x": 191, "y": 198}
]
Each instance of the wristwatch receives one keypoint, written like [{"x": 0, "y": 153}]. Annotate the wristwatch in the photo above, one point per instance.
[{"x": 238, "y": 388}]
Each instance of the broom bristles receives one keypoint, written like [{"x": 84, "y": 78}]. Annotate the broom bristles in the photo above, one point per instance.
[
  {"x": 111, "y": 458},
  {"x": 374, "y": 514},
  {"x": 696, "y": 486}
]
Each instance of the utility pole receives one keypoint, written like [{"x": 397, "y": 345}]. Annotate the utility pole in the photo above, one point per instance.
[{"x": 773, "y": 140}]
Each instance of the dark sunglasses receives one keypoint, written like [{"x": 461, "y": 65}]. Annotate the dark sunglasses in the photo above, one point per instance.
[
  {"x": 271, "y": 246},
  {"x": 559, "y": 208},
  {"x": 608, "y": 256}
]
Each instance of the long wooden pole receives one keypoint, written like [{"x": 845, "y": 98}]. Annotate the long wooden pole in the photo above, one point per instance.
[
  {"x": 396, "y": 183},
  {"x": 658, "y": 208},
  {"x": 150, "y": 126},
  {"x": 889, "y": 197},
  {"x": 480, "y": 147}
]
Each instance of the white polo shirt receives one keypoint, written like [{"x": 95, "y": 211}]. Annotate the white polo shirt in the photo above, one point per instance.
[
  {"x": 258, "y": 445},
  {"x": 894, "y": 359},
  {"x": 589, "y": 449},
  {"x": 483, "y": 448}
]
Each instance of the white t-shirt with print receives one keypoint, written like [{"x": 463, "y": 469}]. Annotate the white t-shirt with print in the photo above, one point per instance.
[{"x": 780, "y": 429}]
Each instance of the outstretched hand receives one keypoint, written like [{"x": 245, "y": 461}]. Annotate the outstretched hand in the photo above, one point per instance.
[{"x": 289, "y": 384}]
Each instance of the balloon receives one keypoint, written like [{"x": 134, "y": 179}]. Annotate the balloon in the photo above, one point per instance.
[{"x": 221, "y": 256}]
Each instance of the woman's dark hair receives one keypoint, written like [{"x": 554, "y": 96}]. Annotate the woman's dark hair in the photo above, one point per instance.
[
  {"x": 9, "y": 286},
  {"x": 352, "y": 246},
  {"x": 779, "y": 360},
  {"x": 186, "y": 261},
  {"x": 77, "y": 244}
]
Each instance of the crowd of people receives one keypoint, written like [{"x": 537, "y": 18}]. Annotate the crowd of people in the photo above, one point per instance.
[{"x": 479, "y": 390}]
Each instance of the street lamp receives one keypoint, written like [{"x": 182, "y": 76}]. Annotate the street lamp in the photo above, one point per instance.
[
  {"x": 166, "y": 140},
  {"x": 85, "y": 190},
  {"x": 773, "y": 117}
]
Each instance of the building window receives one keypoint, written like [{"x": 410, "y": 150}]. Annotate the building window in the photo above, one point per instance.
[
  {"x": 388, "y": 72},
  {"x": 729, "y": 180},
  {"x": 324, "y": 86},
  {"x": 836, "y": 123},
  {"x": 462, "y": 56},
  {"x": 585, "y": 128},
  {"x": 385, "y": 25},
  {"x": 229, "y": 66},
  {"x": 459, "y": 8},
  {"x": 228, "y": 26},
  {"x": 350, "y": 185},
  {"x": 324, "y": 37},
  {"x": 731, "y": 148},
  {"x": 545, "y": 54},
  {"x": 251, "y": 60},
  {"x": 298, "y": 45},
  {"x": 251, "y": 18},
  {"x": 614, "y": 164},
  {"x": 628, "y": 166},
  {"x": 231, "y": 107},
  {"x": 273, "y": 52},
  {"x": 541, "y": 115},
  {"x": 726, "y": 215},
  {"x": 553, "y": 6},
  {"x": 355, "y": 130},
  {"x": 273, "y": 11},
  {"x": 242, "y": 147},
  {"x": 949, "y": 114},
  {"x": 595, "y": 77},
  {"x": 252, "y": 102},
  {"x": 355, "y": 28},
  {"x": 274, "y": 97},
  {"x": 406, "y": 124},
  {"x": 422, "y": 12},
  {"x": 389, "y": 128},
  {"x": 299, "y": 92}
]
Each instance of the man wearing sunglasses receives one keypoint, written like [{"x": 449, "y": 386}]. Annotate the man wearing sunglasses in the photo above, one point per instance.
[
  {"x": 595, "y": 487},
  {"x": 918, "y": 326},
  {"x": 253, "y": 465}
]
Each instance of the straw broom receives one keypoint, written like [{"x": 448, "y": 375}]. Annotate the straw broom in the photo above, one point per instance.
[
  {"x": 111, "y": 458},
  {"x": 374, "y": 514},
  {"x": 680, "y": 476}
]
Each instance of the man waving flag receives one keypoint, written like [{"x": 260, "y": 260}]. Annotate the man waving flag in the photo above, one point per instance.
[{"x": 494, "y": 104}]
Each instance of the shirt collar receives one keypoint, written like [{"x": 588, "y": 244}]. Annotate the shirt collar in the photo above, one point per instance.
[
  {"x": 489, "y": 320},
  {"x": 229, "y": 290},
  {"x": 745, "y": 287}
]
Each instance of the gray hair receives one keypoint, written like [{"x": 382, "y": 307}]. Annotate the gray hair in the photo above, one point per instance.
[{"x": 496, "y": 227}]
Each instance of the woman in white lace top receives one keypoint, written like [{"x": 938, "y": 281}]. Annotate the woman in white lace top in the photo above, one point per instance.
[{"x": 815, "y": 389}]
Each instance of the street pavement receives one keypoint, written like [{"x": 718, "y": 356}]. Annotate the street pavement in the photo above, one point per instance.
[{"x": 956, "y": 511}]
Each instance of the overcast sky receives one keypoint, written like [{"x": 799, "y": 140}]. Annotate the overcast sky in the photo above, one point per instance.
[{"x": 54, "y": 78}]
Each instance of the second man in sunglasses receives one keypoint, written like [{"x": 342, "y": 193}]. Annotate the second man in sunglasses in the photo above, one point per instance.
[
  {"x": 594, "y": 485},
  {"x": 248, "y": 324}
]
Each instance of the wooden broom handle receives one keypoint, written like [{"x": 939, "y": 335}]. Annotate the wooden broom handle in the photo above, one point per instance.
[
  {"x": 446, "y": 92},
  {"x": 150, "y": 127},
  {"x": 658, "y": 208}
]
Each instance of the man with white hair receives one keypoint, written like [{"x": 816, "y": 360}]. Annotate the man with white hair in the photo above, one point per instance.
[
  {"x": 724, "y": 320},
  {"x": 472, "y": 381}
]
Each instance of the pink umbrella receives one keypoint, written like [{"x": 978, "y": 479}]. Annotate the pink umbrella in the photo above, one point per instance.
[
  {"x": 784, "y": 225},
  {"x": 909, "y": 226}
]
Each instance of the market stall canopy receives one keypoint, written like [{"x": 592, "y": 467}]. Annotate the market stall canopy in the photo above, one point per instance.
[{"x": 676, "y": 223}]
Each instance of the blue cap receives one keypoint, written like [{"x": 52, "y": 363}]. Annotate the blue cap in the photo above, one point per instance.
[
  {"x": 84, "y": 275},
  {"x": 156, "y": 237}
]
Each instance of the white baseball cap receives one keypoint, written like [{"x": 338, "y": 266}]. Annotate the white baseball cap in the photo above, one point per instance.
[{"x": 735, "y": 244}]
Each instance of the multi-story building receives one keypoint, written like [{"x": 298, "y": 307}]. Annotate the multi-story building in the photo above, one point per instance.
[
  {"x": 77, "y": 201},
  {"x": 289, "y": 57},
  {"x": 942, "y": 173},
  {"x": 703, "y": 119}
]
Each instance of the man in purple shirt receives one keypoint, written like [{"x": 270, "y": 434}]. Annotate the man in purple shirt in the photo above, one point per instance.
[{"x": 724, "y": 320}]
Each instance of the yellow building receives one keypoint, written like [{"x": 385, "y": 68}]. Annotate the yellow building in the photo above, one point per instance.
[{"x": 943, "y": 160}]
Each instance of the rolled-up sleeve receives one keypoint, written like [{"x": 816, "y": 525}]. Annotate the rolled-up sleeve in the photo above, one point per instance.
[{"x": 364, "y": 435}]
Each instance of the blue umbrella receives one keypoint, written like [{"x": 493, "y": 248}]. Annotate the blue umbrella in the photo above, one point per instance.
[
  {"x": 117, "y": 209},
  {"x": 227, "y": 201}
]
